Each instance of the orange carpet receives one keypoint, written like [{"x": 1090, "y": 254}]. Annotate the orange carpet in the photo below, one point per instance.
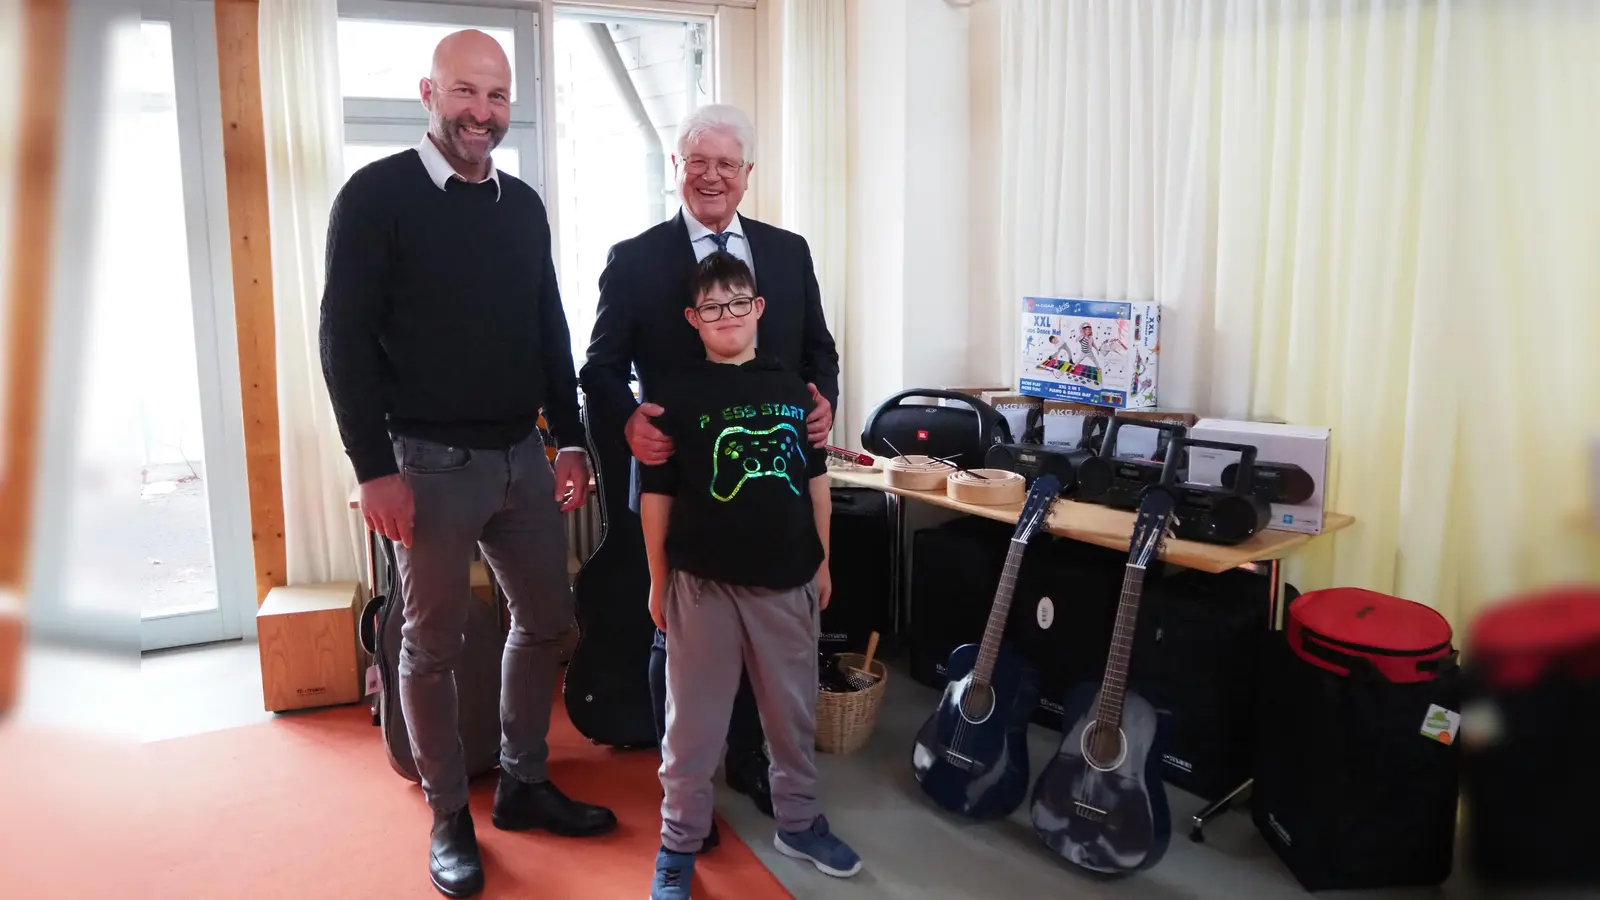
[{"x": 307, "y": 806}]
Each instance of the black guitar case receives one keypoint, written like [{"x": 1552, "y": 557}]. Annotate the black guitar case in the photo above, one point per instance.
[
  {"x": 607, "y": 687},
  {"x": 477, "y": 674}
]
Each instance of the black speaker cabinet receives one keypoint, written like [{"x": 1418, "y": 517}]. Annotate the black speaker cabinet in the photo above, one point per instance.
[
  {"x": 955, "y": 569},
  {"x": 860, "y": 563},
  {"x": 1063, "y": 613},
  {"x": 1198, "y": 659}
]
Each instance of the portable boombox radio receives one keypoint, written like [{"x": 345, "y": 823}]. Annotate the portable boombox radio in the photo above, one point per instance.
[
  {"x": 1219, "y": 514},
  {"x": 1119, "y": 483},
  {"x": 1030, "y": 460},
  {"x": 960, "y": 433},
  {"x": 1284, "y": 483}
]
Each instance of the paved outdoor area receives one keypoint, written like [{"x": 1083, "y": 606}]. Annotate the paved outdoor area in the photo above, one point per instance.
[{"x": 172, "y": 534}]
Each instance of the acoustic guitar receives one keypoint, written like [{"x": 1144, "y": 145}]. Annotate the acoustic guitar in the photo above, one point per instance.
[
  {"x": 1100, "y": 802},
  {"x": 607, "y": 686},
  {"x": 971, "y": 755}
]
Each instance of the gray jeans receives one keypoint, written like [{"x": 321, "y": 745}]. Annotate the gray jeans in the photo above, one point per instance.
[
  {"x": 715, "y": 630},
  {"x": 504, "y": 502}
]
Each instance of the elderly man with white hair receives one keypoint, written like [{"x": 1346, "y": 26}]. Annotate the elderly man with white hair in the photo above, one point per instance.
[{"x": 640, "y": 327}]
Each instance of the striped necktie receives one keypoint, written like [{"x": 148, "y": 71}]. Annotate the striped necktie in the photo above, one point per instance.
[{"x": 721, "y": 240}]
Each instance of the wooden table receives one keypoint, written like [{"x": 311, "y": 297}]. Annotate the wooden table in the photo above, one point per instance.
[{"x": 1113, "y": 528}]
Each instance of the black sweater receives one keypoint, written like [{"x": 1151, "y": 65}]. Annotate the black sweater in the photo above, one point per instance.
[
  {"x": 740, "y": 474},
  {"x": 442, "y": 318}
]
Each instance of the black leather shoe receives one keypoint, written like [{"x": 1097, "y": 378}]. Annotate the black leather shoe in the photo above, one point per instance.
[
  {"x": 453, "y": 860},
  {"x": 520, "y": 806},
  {"x": 746, "y": 772},
  {"x": 713, "y": 838}
]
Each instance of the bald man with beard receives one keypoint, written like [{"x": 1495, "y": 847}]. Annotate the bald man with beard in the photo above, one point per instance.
[{"x": 443, "y": 338}]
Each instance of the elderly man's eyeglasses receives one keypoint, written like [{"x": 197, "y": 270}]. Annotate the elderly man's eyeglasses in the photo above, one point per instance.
[
  {"x": 727, "y": 168},
  {"x": 739, "y": 307}
]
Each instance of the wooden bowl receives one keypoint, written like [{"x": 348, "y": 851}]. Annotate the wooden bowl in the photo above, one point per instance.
[
  {"x": 915, "y": 473},
  {"x": 995, "y": 487}
]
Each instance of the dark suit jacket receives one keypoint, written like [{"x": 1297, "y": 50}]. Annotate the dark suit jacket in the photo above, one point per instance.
[{"x": 639, "y": 323}]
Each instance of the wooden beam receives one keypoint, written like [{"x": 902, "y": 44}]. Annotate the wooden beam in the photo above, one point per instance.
[
  {"x": 245, "y": 158},
  {"x": 32, "y": 254}
]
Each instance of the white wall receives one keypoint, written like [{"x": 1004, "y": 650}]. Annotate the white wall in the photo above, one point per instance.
[
  {"x": 875, "y": 276},
  {"x": 924, "y": 208}
]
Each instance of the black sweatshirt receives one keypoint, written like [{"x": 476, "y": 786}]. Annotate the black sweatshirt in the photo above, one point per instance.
[
  {"x": 739, "y": 475},
  {"x": 442, "y": 318}
]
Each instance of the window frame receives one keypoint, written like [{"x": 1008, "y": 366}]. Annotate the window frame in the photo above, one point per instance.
[
  {"x": 731, "y": 53},
  {"x": 370, "y": 120},
  {"x": 197, "y": 95}
]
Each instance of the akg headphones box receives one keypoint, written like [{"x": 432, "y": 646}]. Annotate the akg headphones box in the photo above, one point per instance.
[{"x": 1291, "y": 467}]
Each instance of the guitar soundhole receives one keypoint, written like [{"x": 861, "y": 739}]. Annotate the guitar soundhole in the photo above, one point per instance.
[
  {"x": 977, "y": 702},
  {"x": 1103, "y": 746}
]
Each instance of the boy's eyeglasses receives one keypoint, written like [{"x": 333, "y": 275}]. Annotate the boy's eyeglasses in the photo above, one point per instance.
[{"x": 738, "y": 306}]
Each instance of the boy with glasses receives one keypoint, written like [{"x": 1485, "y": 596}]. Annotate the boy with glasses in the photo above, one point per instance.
[{"x": 736, "y": 531}]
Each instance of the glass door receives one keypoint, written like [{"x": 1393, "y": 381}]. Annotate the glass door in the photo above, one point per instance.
[{"x": 155, "y": 518}]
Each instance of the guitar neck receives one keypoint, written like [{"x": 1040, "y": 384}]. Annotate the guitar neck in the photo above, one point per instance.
[
  {"x": 1113, "y": 687},
  {"x": 998, "y": 613}
]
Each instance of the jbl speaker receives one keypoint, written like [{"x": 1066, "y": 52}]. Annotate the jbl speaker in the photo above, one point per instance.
[
  {"x": 859, "y": 560},
  {"x": 955, "y": 570},
  {"x": 961, "y": 431}
]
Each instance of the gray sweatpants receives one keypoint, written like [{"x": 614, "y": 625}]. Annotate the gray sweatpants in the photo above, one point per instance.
[
  {"x": 713, "y": 629},
  {"x": 504, "y": 502}
]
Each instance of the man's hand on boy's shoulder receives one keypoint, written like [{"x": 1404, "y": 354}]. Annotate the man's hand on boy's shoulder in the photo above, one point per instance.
[{"x": 820, "y": 422}]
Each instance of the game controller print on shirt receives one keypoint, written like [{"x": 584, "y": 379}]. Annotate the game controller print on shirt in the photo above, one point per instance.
[{"x": 742, "y": 454}]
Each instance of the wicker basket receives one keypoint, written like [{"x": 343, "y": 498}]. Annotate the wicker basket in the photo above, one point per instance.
[{"x": 845, "y": 720}]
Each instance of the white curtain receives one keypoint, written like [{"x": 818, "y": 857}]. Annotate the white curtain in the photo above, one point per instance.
[
  {"x": 1375, "y": 215},
  {"x": 304, "y": 119},
  {"x": 814, "y": 151}
]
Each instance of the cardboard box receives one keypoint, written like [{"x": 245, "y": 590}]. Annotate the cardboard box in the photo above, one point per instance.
[
  {"x": 1020, "y": 411},
  {"x": 1011, "y": 405},
  {"x": 310, "y": 652},
  {"x": 1297, "y": 445},
  {"x": 1063, "y": 424},
  {"x": 1090, "y": 351}
]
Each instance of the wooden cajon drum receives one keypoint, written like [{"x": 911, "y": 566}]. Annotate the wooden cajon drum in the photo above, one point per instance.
[{"x": 310, "y": 651}]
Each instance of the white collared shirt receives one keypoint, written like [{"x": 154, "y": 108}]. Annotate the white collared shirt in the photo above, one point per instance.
[
  {"x": 700, "y": 238},
  {"x": 440, "y": 170}
]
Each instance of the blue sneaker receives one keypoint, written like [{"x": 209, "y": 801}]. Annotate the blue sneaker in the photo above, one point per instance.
[
  {"x": 818, "y": 845},
  {"x": 674, "y": 871}
]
